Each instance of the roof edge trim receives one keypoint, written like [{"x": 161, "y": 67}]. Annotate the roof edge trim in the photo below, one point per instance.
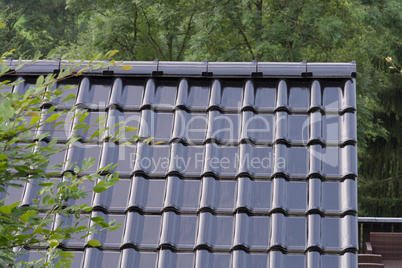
[{"x": 174, "y": 68}]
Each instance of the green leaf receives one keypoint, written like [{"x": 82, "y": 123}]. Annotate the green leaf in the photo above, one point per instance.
[
  {"x": 94, "y": 135},
  {"x": 148, "y": 140},
  {"x": 33, "y": 113},
  {"x": 68, "y": 98},
  {"x": 87, "y": 163},
  {"x": 46, "y": 184},
  {"x": 116, "y": 227},
  {"x": 94, "y": 243},
  {"x": 126, "y": 67},
  {"x": 67, "y": 254},
  {"x": 112, "y": 53},
  {"x": 80, "y": 228},
  {"x": 51, "y": 54},
  {"x": 131, "y": 128},
  {"x": 42, "y": 136},
  {"x": 103, "y": 224},
  {"x": 97, "y": 219},
  {"x": 39, "y": 81},
  {"x": 46, "y": 198},
  {"x": 53, "y": 117},
  {"x": 62, "y": 184},
  {"x": 83, "y": 116},
  {"x": 13, "y": 205},
  {"x": 34, "y": 119},
  {"x": 37, "y": 55},
  {"x": 80, "y": 126},
  {"x": 74, "y": 138},
  {"x": 25, "y": 217},
  {"x": 57, "y": 236},
  {"x": 5, "y": 209},
  {"x": 53, "y": 243},
  {"x": 99, "y": 188},
  {"x": 100, "y": 118}
]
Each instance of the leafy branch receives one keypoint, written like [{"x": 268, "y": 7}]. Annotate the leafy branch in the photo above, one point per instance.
[{"x": 393, "y": 65}]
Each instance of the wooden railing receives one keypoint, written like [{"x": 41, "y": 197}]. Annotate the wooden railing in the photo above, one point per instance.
[{"x": 373, "y": 224}]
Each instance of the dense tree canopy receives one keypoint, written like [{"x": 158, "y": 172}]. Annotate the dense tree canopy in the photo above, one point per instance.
[{"x": 245, "y": 30}]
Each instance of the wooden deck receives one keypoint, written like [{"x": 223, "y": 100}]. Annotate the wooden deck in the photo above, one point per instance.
[{"x": 383, "y": 250}]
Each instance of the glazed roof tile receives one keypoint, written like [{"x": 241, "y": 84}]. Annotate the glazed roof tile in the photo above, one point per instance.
[{"x": 255, "y": 166}]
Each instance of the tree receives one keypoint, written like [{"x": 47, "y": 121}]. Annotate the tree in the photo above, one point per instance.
[
  {"x": 244, "y": 30},
  {"x": 139, "y": 30},
  {"x": 32, "y": 25},
  {"x": 380, "y": 189},
  {"x": 25, "y": 158}
]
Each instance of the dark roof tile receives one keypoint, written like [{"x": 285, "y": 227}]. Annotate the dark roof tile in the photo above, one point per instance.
[
  {"x": 190, "y": 128},
  {"x": 127, "y": 94},
  {"x": 94, "y": 257},
  {"x": 178, "y": 231},
  {"x": 152, "y": 160},
  {"x": 254, "y": 195},
  {"x": 114, "y": 199},
  {"x": 78, "y": 152},
  {"x": 147, "y": 194},
  {"x": 258, "y": 128},
  {"x": 160, "y": 95},
  {"x": 93, "y": 94},
  {"x": 114, "y": 124},
  {"x": 252, "y": 232},
  {"x": 94, "y": 122},
  {"x": 109, "y": 239},
  {"x": 288, "y": 232},
  {"x": 167, "y": 258},
  {"x": 157, "y": 125},
  {"x": 146, "y": 233},
  {"x": 205, "y": 258},
  {"x": 218, "y": 195},
  {"x": 122, "y": 155},
  {"x": 256, "y": 167},
  {"x": 221, "y": 161},
  {"x": 215, "y": 231},
  {"x": 134, "y": 258},
  {"x": 186, "y": 160},
  {"x": 181, "y": 194},
  {"x": 193, "y": 95}
]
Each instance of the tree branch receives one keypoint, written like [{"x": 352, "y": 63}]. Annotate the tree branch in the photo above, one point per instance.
[
  {"x": 153, "y": 42},
  {"x": 185, "y": 37},
  {"x": 247, "y": 42}
]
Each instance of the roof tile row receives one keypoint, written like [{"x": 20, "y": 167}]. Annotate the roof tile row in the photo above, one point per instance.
[
  {"x": 221, "y": 196},
  {"x": 194, "y": 95},
  {"x": 222, "y": 128},
  {"x": 218, "y": 232},
  {"x": 129, "y": 257},
  {"x": 215, "y": 160}
]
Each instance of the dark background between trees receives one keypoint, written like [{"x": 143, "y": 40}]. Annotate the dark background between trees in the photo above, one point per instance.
[{"x": 244, "y": 30}]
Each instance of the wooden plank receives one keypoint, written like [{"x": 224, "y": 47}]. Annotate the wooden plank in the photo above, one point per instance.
[{"x": 389, "y": 245}]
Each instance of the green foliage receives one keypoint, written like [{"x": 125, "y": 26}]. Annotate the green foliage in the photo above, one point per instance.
[
  {"x": 241, "y": 30},
  {"x": 31, "y": 25},
  {"x": 24, "y": 161}
]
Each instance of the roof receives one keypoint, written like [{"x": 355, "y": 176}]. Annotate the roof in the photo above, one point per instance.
[{"x": 256, "y": 167}]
